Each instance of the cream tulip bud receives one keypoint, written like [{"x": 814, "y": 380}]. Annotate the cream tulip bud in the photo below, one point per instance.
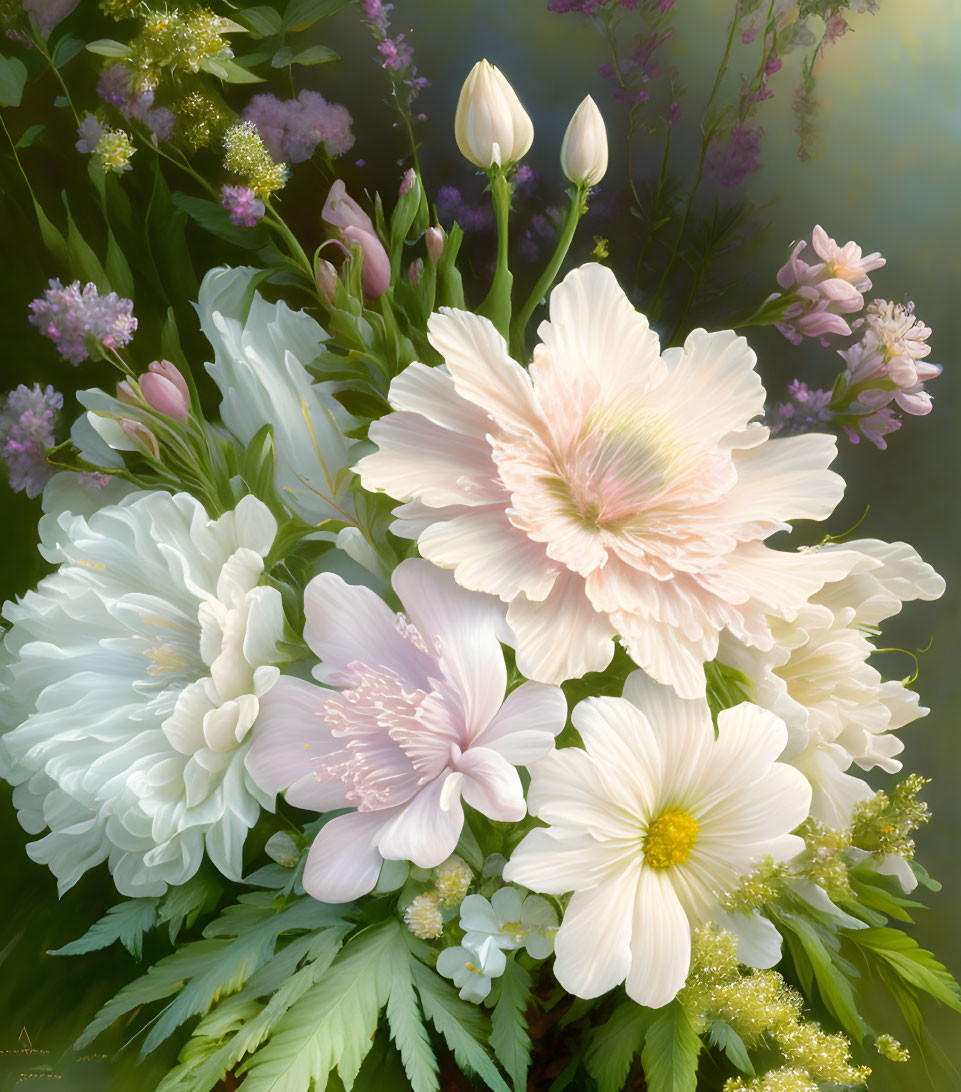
[
  {"x": 490, "y": 126},
  {"x": 584, "y": 148}
]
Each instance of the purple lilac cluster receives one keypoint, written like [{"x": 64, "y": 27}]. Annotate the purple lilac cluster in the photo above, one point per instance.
[
  {"x": 805, "y": 409},
  {"x": 730, "y": 159},
  {"x": 118, "y": 86},
  {"x": 396, "y": 53},
  {"x": 74, "y": 318},
  {"x": 27, "y": 422},
  {"x": 244, "y": 206},
  {"x": 291, "y": 129}
]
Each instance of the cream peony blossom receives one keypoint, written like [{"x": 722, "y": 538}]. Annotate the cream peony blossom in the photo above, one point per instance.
[
  {"x": 260, "y": 358},
  {"x": 613, "y": 490},
  {"x": 648, "y": 827},
  {"x": 131, "y": 680},
  {"x": 417, "y": 723},
  {"x": 817, "y": 678}
]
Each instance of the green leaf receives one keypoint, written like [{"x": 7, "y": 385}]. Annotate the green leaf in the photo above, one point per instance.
[
  {"x": 184, "y": 904},
  {"x": 65, "y": 50},
  {"x": 167, "y": 242},
  {"x": 333, "y": 1024},
  {"x": 257, "y": 467},
  {"x": 510, "y": 1040},
  {"x": 724, "y": 1036},
  {"x": 402, "y": 217},
  {"x": 301, "y": 14},
  {"x": 13, "y": 79},
  {"x": 215, "y": 219},
  {"x": 671, "y": 1049},
  {"x": 406, "y": 1023},
  {"x": 282, "y": 57},
  {"x": 726, "y": 687},
  {"x": 612, "y": 1047},
  {"x": 462, "y": 1025},
  {"x": 84, "y": 262},
  {"x": 107, "y": 47},
  {"x": 263, "y": 21},
  {"x": 52, "y": 237},
  {"x": 126, "y": 922},
  {"x": 234, "y": 73},
  {"x": 318, "y": 54},
  {"x": 30, "y": 136},
  {"x": 915, "y": 966}
]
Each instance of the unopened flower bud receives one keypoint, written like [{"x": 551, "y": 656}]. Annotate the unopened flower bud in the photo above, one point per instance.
[
  {"x": 490, "y": 126},
  {"x": 415, "y": 271},
  {"x": 142, "y": 436},
  {"x": 408, "y": 182},
  {"x": 173, "y": 374},
  {"x": 326, "y": 278},
  {"x": 126, "y": 394},
  {"x": 342, "y": 211},
  {"x": 164, "y": 396},
  {"x": 282, "y": 848},
  {"x": 375, "y": 277},
  {"x": 435, "y": 238},
  {"x": 584, "y": 148}
]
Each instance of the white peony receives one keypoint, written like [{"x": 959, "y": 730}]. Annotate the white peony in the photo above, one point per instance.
[
  {"x": 649, "y": 826},
  {"x": 817, "y": 679},
  {"x": 131, "y": 679},
  {"x": 260, "y": 358}
]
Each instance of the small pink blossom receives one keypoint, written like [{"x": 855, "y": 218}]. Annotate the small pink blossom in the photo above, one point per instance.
[
  {"x": 732, "y": 158},
  {"x": 874, "y": 426},
  {"x": 74, "y": 319},
  {"x": 27, "y": 420},
  {"x": 245, "y": 207},
  {"x": 291, "y": 129},
  {"x": 416, "y": 724},
  {"x": 748, "y": 36},
  {"x": 165, "y": 390}
]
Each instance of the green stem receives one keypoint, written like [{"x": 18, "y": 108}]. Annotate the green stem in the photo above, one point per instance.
[
  {"x": 497, "y": 305},
  {"x": 655, "y": 207},
  {"x": 275, "y": 221},
  {"x": 540, "y": 290},
  {"x": 16, "y": 159}
]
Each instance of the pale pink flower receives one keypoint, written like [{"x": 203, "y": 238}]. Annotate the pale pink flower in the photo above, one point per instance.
[
  {"x": 611, "y": 491},
  {"x": 355, "y": 226},
  {"x": 417, "y": 723}
]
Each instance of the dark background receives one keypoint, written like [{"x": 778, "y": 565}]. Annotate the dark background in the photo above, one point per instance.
[{"x": 887, "y": 176}]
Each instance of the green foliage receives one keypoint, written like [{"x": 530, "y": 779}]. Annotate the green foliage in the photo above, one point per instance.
[
  {"x": 13, "y": 79},
  {"x": 404, "y": 1018},
  {"x": 510, "y": 1040},
  {"x": 671, "y": 1049},
  {"x": 615, "y": 1044},
  {"x": 898, "y": 958},
  {"x": 126, "y": 922},
  {"x": 726, "y": 687},
  {"x": 216, "y": 219},
  {"x": 723, "y": 1036}
]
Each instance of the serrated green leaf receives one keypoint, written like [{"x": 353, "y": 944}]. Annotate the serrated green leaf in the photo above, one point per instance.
[
  {"x": 406, "y": 1024},
  {"x": 333, "y": 1023},
  {"x": 184, "y": 904},
  {"x": 13, "y": 79},
  {"x": 724, "y": 1036},
  {"x": 318, "y": 54},
  {"x": 915, "y": 966},
  {"x": 107, "y": 47},
  {"x": 126, "y": 922},
  {"x": 612, "y": 1048},
  {"x": 670, "y": 1052},
  {"x": 510, "y": 1040},
  {"x": 463, "y": 1026}
]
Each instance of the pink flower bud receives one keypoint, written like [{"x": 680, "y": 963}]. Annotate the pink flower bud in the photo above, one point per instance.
[
  {"x": 164, "y": 396},
  {"x": 342, "y": 211},
  {"x": 142, "y": 437},
  {"x": 408, "y": 182},
  {"x": 125, "y": 393},
  {"x": 415, "y": 271},
  {"x": 375, "y": 278},
  {"x": 171, "y": 372},
  {"x": 326, "y": 277},
  {"x": 435, "y": 239}
]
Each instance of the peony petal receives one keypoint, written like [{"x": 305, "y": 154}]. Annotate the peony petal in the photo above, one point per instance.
[
  {"x": 427, "y": 828},
  {"x": 524, "y": 728},
  {"x": 787, "y": 479},
  {"x": 562, "y": 637},
  {"x": 343, "y": 863},
  {"x": 491, "y": 785}
]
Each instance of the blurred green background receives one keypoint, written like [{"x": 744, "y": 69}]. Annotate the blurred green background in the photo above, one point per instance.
[{"x": 887, "y": 175}]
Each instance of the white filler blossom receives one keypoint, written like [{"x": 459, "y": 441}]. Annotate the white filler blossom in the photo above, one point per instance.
[
  {"x": 130, "y": 683},
  {"x": 648, "y": 827}
]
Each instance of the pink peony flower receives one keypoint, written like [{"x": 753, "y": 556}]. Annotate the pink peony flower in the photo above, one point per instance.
[
  {"x": 610, "y": 491},
  {"x": 417, "y": 723}
]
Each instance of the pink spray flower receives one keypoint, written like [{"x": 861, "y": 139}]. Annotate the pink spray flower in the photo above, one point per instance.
[
  {"x": 355, "y": 226},
  {"x": 417, "y": 723}
]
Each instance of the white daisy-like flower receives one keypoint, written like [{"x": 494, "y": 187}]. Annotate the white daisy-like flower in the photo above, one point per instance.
[
  {"x": 838, "y": 710},
  {"x": 472, "y": 969},
  {"x": 132, "y": 678},
  {"x": 611, "y": 489},
  {"x": 512, "y": 920},
  {"x": 650, "y": 825}
]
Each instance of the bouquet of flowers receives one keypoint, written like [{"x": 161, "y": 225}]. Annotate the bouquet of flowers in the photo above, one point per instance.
[{"x": 415, "y": 656}]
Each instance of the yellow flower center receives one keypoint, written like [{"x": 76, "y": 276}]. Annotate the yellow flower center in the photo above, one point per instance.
[{"x": 670, "y": 839}]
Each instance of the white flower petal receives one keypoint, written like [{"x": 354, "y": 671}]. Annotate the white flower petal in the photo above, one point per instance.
[
  {"x": 424, "y": 830},
  {"x": 343, "y": 863},
  {"x": 524, "y": 728},
  {"x": 660, "y": 941}
]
